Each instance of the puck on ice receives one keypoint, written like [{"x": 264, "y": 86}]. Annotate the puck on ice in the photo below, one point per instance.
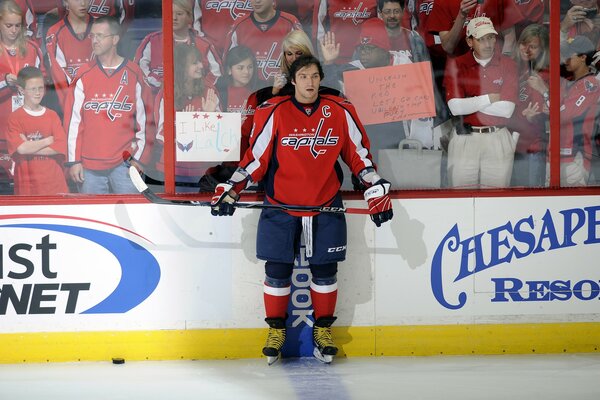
[{"x": 118, "y": 360}]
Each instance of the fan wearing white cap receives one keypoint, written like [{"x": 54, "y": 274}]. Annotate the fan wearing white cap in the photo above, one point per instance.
[{"x": 481, "y": 88}]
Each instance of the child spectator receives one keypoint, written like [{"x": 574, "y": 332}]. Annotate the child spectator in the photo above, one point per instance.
[{"x": 36, "y": 140}]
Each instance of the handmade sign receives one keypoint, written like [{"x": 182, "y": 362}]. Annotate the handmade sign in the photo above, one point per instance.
[
  {"x": 207, "y": 136},
  {"x": 394, "y": 93}
]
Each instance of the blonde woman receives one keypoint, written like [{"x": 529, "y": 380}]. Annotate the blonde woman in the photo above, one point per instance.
[
  {"x": 294, "y": 45},
  {"x": 16, "y": 52}
]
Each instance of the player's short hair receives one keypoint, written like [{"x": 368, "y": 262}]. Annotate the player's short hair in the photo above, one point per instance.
[
  {"x": 302, "y": 62},
  {"x": 27, "y": 73},
  {"x": 381, "y": 3},
  {"x": 113, "y": 24}
]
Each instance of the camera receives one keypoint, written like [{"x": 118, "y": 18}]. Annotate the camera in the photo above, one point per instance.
[{"x": 590, "y": 13}]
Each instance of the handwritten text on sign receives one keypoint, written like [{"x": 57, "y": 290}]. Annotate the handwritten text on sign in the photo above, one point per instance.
[
  {"x": 388, "y": 94},
  {"x": 208, "y": 136}
]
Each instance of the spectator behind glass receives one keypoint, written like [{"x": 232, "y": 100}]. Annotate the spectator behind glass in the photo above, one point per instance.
[
  {"x": 294, "y": 45},
  {"x": 578, "y": 112},
  {"x": 68, "y": 46},
  {"x": 214, "y": 19},
  {"x": 533, "y": 59},
  {"x": 192, "y": 93},
  {"x": 581, "y": 19},
  {"x": 36, "y": 140},
  {"x": 263, "y": 31},
  {"x": 343, "y": 18},
  {"x": 30, "y": 18},
  {"x": 107, "y": 116},
  {"x": 16, "y": 52},
  {"x": 482, "y": 89},
  {"x": 237, "y": 92},
  {"x": 149, "y": 54},
  {"x": 122, "y": 10},
  {"x": 449, "y": 17}
]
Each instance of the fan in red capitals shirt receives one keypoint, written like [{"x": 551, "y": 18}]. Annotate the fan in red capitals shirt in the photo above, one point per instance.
[
  {"x": 214, "y": 18},
  {"x": 69, "y": 47},
  {"x": 450, "y": 17},
  {"x": 149, "y": 54},
  {"x": 108, "y": 111},
  {"x": 16, "y": 52},
  {"x": 343, "y": 17},
  {"x": 263, "y": 31},
  {"x": 123, "y": 10}
]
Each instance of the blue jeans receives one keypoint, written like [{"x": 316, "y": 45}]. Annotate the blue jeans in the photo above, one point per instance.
[
  {"x": 529, "y": 170},
  {"x": 115, "y": 180}
]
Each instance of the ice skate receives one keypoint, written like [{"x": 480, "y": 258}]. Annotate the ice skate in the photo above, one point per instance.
[
  {"x": 275, "y": 339},
  {"x": 325, "y": 349}
]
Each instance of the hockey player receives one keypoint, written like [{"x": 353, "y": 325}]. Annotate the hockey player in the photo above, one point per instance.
[{"x": 294, "y": 148}]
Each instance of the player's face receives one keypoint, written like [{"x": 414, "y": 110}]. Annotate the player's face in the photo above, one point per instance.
[
  {"x": 306, "y": 83},
  {"x": 195, "y": 69},
  {"x": 103, "y": 41},
  {"x": 181, "y": 19},
  {"x": 34, "y": 91},
  {"x": 78, "y": 8},
  {"x": 483, "y": 48},
  {"x": 241, "y": 73},
  {"x": 261, "y": 6},
  {"x": 530, "y": 50},
  {"x": 391, "y": 14},
  {"x": 292, "y": 54},
  {"x": 10, "y": 28}
]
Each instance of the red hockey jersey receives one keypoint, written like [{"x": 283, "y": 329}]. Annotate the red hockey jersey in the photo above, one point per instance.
[
  {"x": 121, "y": 9},
  {"x": 149, "y": 56},
  {"x": 342, "y": 17},
  {"x": 37, "y": 174},
  {"x": 29, "y": 16},
  {"x": 294, "y": 148},
  {"x": 214, "y": 18},
  {"x": 264, "y": 38},
  {"x": 10, "y": 99},
  {"x": 66, "y": 54},
  {"x": 107, "y": 114}
]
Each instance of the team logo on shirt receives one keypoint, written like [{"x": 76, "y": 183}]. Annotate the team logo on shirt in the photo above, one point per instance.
[
  {"x": 100, "y": 8},
  {"x": 237, "y": 8},
  {"x": 426, "y": 8},
  {"x": 355, "y": 13},
  {"x": 267, "y": 62},
  {"x": 307, "y": 139},
  {"x": 590, "y": 87},
  {"x": 111, "y": 105}
]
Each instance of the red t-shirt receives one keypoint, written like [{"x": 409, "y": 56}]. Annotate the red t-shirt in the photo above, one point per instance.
[{"x": 37, "y": 174}]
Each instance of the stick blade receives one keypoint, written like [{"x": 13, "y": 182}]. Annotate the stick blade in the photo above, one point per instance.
[{"x": 137, "y": 180}]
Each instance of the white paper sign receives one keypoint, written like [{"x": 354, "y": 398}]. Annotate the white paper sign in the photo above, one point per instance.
[{"x": 208, "y": 136}]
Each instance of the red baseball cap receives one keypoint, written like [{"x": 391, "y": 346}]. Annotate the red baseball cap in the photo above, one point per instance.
[{"x": 373, "y": 33}]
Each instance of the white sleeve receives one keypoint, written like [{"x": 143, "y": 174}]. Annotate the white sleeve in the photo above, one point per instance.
[
  {"x": 501, "y": 108},
  {"x": 469, "y": 105}
]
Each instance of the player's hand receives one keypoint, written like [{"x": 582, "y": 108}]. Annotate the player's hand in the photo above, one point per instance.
[
  {"x": 76, "y": 173},
  {"x": 380, "y": 204},
  {"x": 223, "y": 200}
]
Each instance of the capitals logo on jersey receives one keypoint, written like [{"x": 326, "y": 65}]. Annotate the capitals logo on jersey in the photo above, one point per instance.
[
  {"x": 268, "y": 62},
  {"x": 99, "y": 8},
  {"x": 425, "y": 8},
  {"x": 357, "y": 14},
  {"x": 237, "y": 8},
  {"x": 311, "y": 140},
  {"x": 590, "y": 87},
  {"x": 111, "y": 104}
]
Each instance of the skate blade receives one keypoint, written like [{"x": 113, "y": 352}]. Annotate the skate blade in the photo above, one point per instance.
[
  {"x": 272, "y": 359},
  {"x": 324, "y": 358}
]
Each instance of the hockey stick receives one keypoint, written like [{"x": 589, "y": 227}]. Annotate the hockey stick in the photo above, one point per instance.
[{"x": 152, "y": 197}]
